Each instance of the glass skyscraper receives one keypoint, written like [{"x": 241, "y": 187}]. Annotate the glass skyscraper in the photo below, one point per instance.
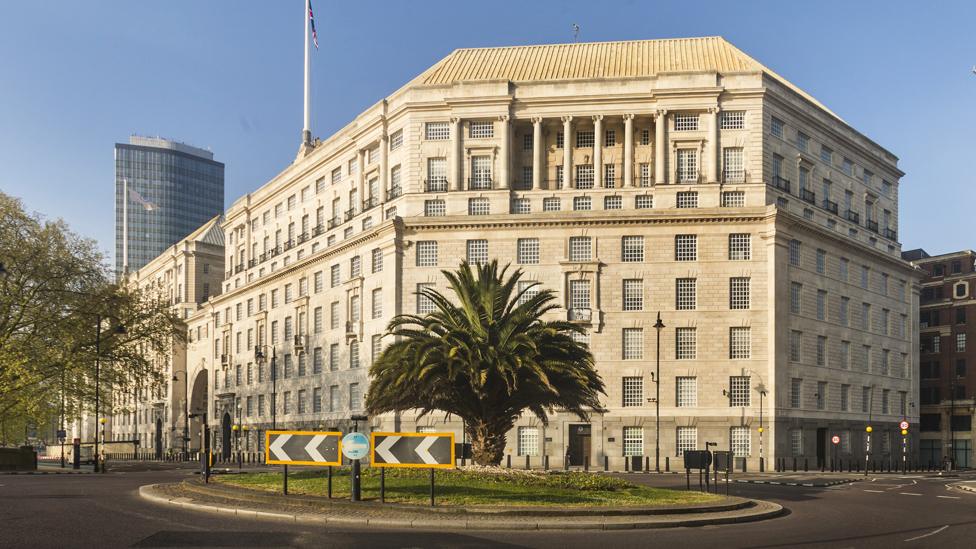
[{"x": 164, "y": 190}]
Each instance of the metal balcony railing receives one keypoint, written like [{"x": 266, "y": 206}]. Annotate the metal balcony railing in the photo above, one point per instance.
[
  {"x": 781, "y": 183},
  {"x": 370, "y": 202},
  {"x": 808, "y": 196},
  {"x": 734, "y": 176},
  {"x": 436, "y": 185},
  {"x": 318, "y": 229},
  {"x": 853, "y": 216},
  {"x": 394, "y": 192},
  {"x": 829, "y": 205},
  {"x": 335, "y": 222},
  {"x": 890, "y": 234},
  {"x": 482, "y": 183},
  {"x": 871, "y": 224}
]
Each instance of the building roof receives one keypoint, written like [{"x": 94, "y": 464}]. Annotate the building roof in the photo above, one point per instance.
[
  {"x": 208, "y": 233},
  {"x": 588, "y": 60}
]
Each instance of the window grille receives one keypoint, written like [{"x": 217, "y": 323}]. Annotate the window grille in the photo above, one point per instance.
[
  {"x": 686, "y": 343},
  {"x": 479, "y": 206},
  {"x": 437, "y": 131},
  {"x": 633, "y": 297},
  {"x": 686, "y": 294},
  {"x": 686, "y": 247},
  {"x": 687, "y": 199},
  {"x": 477, "y": 130},
  {"x": 733, "y": 120},
  {"x": 687, "y": 392},
  {"x": 633, "y": 392},
  {"x": 580, "y": 248},
  {"x": 527, "y": 252},
  {"x": 685, "y": 122},
  {"x": 633, "y": 343},
  {"x": 477, "y": 252},
  {"x": 740, "y": 342},
  {"x": 427, "y": 253}
]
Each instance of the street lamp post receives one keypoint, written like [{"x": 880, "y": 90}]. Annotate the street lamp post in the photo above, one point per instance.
[
  {"x": 119, "y": 329},
  {"x": 260, "y": 357},
  {"x": 657, "y": 397},
  {"x": 186, "y": 411},
  {"x": 762, "y": 455},
  {"x": 867, "y": 430}
]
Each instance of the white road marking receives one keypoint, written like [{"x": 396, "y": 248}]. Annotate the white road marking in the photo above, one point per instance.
[
  {"x": 423, "y": 450},
  {"x": 383, "y": 449},
  {"x": 278, "y": 450},
  {"x": 875, "y": 491},
  {"x": 909, "y": 494},
  {"x": 948, "y": 497},
  {"x": 313, "y": 448},
  {"x": 932, "y": 533}
]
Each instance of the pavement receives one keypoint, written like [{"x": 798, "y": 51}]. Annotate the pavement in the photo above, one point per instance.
[
  {"x": 217, "y": 498},
  {"x": 106, "y": 511}
]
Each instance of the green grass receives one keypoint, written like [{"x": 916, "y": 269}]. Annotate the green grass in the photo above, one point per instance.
[{"x": 476, "y": 488}]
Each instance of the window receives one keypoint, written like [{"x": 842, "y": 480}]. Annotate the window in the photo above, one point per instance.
[
  {"x": 479, "y": 206},
  {"x": 821, "y": 350},
  {"x": 796, "y": 339},
  {"x": 377, "y": 309},
  {"x": 802, "y": 141},
  {"x": 613, "y": 202},
  {"x": 795, "y": 291},
  {"x": 333, "y": 357},
  {"x": 521, "y": 206},
  {"x": 477, "y": 252},
  {"x": 865, "y": 316},
  {"x": 579, "y": 295},
  {"x": 644, "y": 174},
  {"x": 796, "y": 394},
  {"x": 609, "y": 176},
  {"x": 687, "y": 165},
  {"x": 609, "y": 138},
  {"x": 645, "y": 136},
  {"x": 333, "y": 398},
  {"x": 847, "y": 166},
  {"x": 633, "y": 392},
  {"x": 865, "y": 399},
  {"x": 685, "y": 122},
  {"x": 776, "y": 127},
  {"x": 687, "y": 439},
  {"x": 865, "y": 276},
  {"x": 435, "y": 208},
  {"x": 733, "y": 165},
  {"x": 885, "y": 404},
  {"x": 733, "y": 120},
  {"x": 740, "y": 247},
  {"x": 644, "y": 201},
  {"x": 396, "y": 140},
  {"x": 826, "y": 155},
  {"x": 580, "y": 248},
  {"x": 377, "y": 260},
  {"x": 334, "y": 278},
  {"x": 584, "y": 176},
  {"x": 354, "y": 355},
  {"x": 687, "y": 199},
  {"x": 551, "y": 204},
  {"x": 821, "y": 261},
  {"x": 739, "y": 391},
  {"x": 633, "y": 248},
  {"x": 355, "y": 397},
  {"x": 843, "y": 313},
  {"x": 427, "y": 253},
  {"x": 527, "y": 252},
  {"x": 317, "y": 360},
  {"x": 633, "y": 344},
  {"x": 334, "y": 315},
  {"x": 686, "y": 247},
  {"x": 287, "y": 403},
  {"x": 795, "y": 252},
  {"x": 961, "y": 343},
  {"x": 481, "y": 172},
  {"x": 424, "y": 304},
  {"x": 633, "y": 441},
  {"x": 796, "y": 442},
  {"x": 740, "y": 342},
  {"x": 686, "y": 294},
  {"x": 301, "y": 401},
  {"x": 528, "y": 141},
  {"x": 435, "y": 131},
  {"x": 733, "y": 199},
  {"x": 584, "y": 138},
  {"x": 481, "y": 129},
  {"x": 686, "y": 343},
  {"x": 739, "y": 293},
  {"x": 355, "y": 266},
  {"x": 582, "y": 203},
  {"x": 633, "y": 297},
  {"x": 687, "y": 392},
  {"x": 528, "y": 441},
  {"x": 741, "y": 442},
  {"x": 527, "y": 289},
  {"x": 821, "y": 305}
]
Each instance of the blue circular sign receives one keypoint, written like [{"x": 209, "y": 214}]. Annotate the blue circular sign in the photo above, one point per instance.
[{"x": 355, "y": 446}]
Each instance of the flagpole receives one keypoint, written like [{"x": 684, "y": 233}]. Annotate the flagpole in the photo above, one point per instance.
[{"x": 306, "y": 130}]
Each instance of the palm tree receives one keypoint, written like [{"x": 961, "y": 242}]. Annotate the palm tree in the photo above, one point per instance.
[{"x": 485, "y": 359}]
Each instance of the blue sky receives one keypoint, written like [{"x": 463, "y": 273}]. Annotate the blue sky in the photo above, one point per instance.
[{"x": 76, "y": 77}]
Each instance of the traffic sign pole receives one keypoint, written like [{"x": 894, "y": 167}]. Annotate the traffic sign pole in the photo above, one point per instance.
[{"x": 355, "y": 446}]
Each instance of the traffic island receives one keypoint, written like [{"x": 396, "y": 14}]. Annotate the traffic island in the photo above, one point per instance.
[{"x": 465, "y": 500}]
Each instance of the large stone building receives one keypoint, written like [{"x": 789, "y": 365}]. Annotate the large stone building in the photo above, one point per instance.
[
  {"x": 948, "y": 386},
  {"x": 186, "y": 276},
  {"x": 679, "y": 176}
]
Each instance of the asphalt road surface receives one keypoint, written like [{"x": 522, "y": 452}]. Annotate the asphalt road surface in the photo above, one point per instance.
[{"x": 887, "y": 511}]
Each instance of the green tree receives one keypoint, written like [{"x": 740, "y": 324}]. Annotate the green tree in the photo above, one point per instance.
[{"x": 485, "y": 357}]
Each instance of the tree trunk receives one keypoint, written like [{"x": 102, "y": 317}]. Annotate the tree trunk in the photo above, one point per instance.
[{"x": 487, "y": 443}]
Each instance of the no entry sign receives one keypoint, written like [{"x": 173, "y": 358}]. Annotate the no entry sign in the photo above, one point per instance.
[
  {"x": 835, "y": 439},
  {"x": 903, "y": 425}
]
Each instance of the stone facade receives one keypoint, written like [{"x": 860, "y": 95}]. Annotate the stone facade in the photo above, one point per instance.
[{"x": 719, "y": 194}]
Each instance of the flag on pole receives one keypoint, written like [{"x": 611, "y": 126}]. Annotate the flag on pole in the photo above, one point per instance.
[
  {"x": 311, "y": 18},
  {"x": 138, "y": 199}
]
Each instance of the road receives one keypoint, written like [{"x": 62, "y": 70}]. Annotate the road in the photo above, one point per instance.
[{"x": 105, "y": 511}]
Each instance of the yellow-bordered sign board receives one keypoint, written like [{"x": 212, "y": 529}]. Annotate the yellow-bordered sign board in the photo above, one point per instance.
[
  {"x": 421, "y": 450},
  {"x": 321, "y": 448}
]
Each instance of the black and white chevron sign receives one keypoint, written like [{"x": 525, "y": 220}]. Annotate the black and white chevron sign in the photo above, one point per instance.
[
  {"x": 427, "y": 450},
  {"x": 302, "y": 447}
]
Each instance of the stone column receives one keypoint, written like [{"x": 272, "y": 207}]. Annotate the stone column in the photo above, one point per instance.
[
  {"x": 714, "y": 150},
  {"x": 384, "y": 166},
  {"x": 361, "y": 179},
  {"x": 660, "y": 147},
  {"x": 598, "y": 151},
  {"x": 628, "y": 150},
  {"x": 537, "y": 166},
  {"x": 457, "y": 155},
  {"x": 505, "y": 160},
  {"x": 567, "y": 151}
]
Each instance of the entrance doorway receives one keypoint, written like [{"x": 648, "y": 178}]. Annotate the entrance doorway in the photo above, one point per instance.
[
  {"x": 225, "y": 437},
  {"x": 822, "y": 447},
  {"x": 158, "y": 439},
  {"x": 578, "y": 451}
]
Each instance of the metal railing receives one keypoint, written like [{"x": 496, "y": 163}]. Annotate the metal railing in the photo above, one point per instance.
[
  {"x": 435, "y": 185},
  {"x": 480, "y": 183},
  {"x": 734, "y": 176},
  {"x": 871, "y": 224},
  {"x": 829, "y": 205},
  {"x": 580, "y": 315},
  {"x": 852, "y": 216},
  {"x": 890, "y": 234},
  {"x": 350, "y": 213},
  {"x": 370, "y": 202},
  {"x": 334, "y": 222},
  {"x": 318, "y": 229},
  {"x": 394, "y": 192},
  {"x": 781, "y": 183},
  {"x": 808, "y": 196}
]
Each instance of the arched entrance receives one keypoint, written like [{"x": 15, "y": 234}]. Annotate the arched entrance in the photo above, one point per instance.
[
  {"x": 225, "y": 434},
  {"x": 159, "y": 438},
  {"x": 198, "y": 407}
]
